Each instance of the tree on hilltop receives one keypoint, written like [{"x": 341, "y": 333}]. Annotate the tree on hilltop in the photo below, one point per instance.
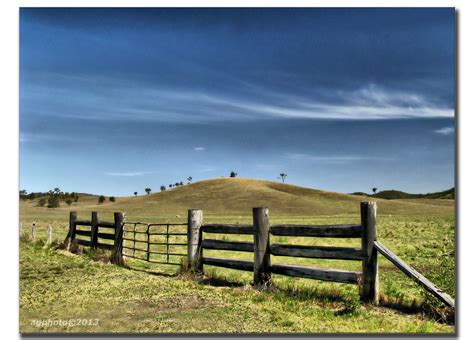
[{"x": 283, "y": 177}]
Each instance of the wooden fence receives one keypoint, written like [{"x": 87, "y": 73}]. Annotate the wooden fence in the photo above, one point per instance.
[
  {"x": 262, "y": 249},
  {"x": 96, "y": 235}
]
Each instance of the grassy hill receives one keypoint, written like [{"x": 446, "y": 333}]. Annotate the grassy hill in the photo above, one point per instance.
[
  {"x": 236, "y": 197},
  {"x": 449, "y": 194}
]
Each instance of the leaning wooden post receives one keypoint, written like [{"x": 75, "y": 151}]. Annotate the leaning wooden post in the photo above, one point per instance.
[
  {"x": 72, "y": 230},
  {"x": 261, "y": 248},
  {"x": 94, "y": 229},
  {"x": 370, "y": 275},
  {"x": 194, "y": 240},
  {"x": 117, "y": 257}
]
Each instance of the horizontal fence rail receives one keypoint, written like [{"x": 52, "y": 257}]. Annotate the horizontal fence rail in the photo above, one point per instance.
[
  {"x": 83, "y": 222},
  {"x": 318, "y": 274},
  {"x": 316, "y": 252},
  {"x": 336, "y": 231},
  {"x": 227, "y": 245},
  {"x": 228, "y": 263},
  {"x": 84, "y": 232},
  {"x": 228, "y": 229},
  {"x": 106, "y": 225}
]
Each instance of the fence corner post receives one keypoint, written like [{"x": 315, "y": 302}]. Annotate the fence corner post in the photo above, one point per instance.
[
  {"x": 261, "y": 248},
  {"x": 194, "y": 240},
  {"x": 370, "y": 275},
  {"x": 94, "y": 229},
  {"x": 117, "y": 257},
  {"x": 72, "y": 230}
]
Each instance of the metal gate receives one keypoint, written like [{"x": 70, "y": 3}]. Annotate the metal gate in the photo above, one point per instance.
[{"x": 163, "y": 243}]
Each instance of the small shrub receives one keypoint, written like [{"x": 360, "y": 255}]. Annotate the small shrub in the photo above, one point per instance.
[
  {"x": 101, "y": 199},
  {"x": 68, "y": 201},
  {"x": 53, "y": 202},
  {"x": 41, "y": 202},
  {"x": 112, "y": 199}
]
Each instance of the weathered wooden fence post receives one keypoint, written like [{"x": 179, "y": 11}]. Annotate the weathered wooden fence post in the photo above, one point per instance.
[
  {"x": 94, "y": 229},
  {"x": 33, "y": 231},
  {"x": 194, "y": 240},
  {"x": 72, "y": 229},
  {"x": 116, "y": 256},
  {"x": 50, "y": 234},
  {"x": 370, "y": 275},
  {"x": 261, "y": 248}
]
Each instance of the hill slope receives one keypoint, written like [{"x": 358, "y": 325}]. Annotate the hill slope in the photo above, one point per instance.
[
  {"x": 396, "y": 194},
  {"x": 235, "y": 197},
  {"x": 239, "y": 195}
]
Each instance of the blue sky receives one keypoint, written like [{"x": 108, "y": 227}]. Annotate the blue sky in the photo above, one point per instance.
[{"x": 116, "y": 100}]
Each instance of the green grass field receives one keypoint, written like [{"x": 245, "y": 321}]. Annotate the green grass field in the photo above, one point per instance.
[{"x": 151, "y": 298}]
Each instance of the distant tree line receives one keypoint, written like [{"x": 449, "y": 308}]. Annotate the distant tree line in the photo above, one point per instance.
[
  {"x": 163, "y": 187},
  {"x": 54, "y": 197},
  {"x": 51, "y": 199}
]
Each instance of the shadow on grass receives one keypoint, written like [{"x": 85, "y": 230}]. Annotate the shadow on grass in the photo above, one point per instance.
[
  {"x": 149, "y": 271},
  {"x": 441, "y": 314},
  {"x": 219, "y": 282},
  {"x": 312, "y": 293}
]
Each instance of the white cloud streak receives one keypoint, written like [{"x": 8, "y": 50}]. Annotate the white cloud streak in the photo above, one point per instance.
[
  {"x": 199, "y": 148},
  {"x": 448, "y": 130},
  {"x": 45, "y": 138},
  {"x": 127, "y": 174}
]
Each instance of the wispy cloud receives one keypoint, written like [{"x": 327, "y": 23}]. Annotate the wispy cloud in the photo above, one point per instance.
[
  {"x": 92, "y": 99},
  {"x": 43, "y": 138},
  {"x": 128, "y": 174},
  {"x": 332, "y": 158},
  {"x": 199, "y": 148},
  {"x": 448, "y": 130},
  {"x": 207, "y": 169}
]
